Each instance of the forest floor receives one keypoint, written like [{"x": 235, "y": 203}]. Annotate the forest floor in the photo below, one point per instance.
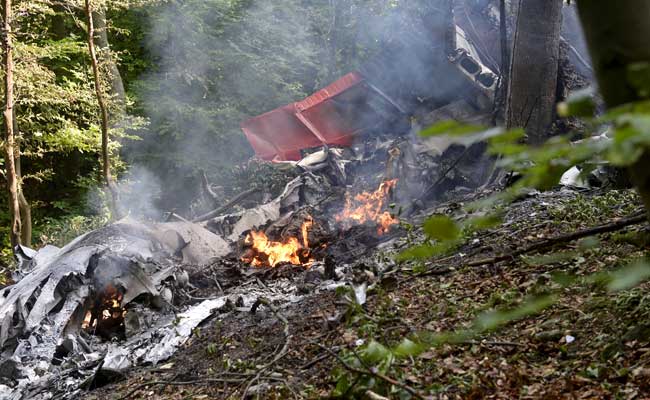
[{"x": 590, "y": 344}]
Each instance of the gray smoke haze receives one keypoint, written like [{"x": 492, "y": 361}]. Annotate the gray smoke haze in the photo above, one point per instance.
[
  {"x": 217, "y": 63},
  {"x": 140, "y": 192}
]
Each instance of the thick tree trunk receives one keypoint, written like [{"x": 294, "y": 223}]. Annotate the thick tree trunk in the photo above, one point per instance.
[
  {"x": 118, "y": 95},
  {"x": 617, "y": 34},
  {"x": 106, "y": 162},
  {"x": 534, "y": 67},
  {"x": 12, "y": 181}
]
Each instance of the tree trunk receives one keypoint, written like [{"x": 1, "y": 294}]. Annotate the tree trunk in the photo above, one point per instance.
[
  {"x": 12, "y": 181},
  {"x": 57, "y": 27},
  {"x": 106, "y": 162},
  {"x": 501, "y": 95},
  {"x": 25, "y": 208},
  {"x": 118, "y": 95},
  {"x": 617, "y": 34},
  {"x": 534, "y": 67}
]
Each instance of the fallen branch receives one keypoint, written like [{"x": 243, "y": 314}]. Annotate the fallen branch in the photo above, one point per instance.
[
  {"x": 226, "y": 206},
  {"x": 635, "y": 219},
  {"x": 205, "y": 184},
  {"x": 372, "y": 372},
  {"x": 175, "y": 216}
]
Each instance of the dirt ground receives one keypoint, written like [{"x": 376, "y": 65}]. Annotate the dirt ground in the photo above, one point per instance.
[{"x": 590, "y": 344}]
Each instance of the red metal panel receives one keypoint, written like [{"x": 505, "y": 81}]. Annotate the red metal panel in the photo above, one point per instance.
[{"x": 280, "y": 134}]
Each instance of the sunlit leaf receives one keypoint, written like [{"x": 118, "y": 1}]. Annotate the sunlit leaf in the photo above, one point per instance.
[
  {"x": 493, "y": 319},
  {"x": 482, "y": 222},
  {"x": 510, "y": 136},
  {"x": 409, "y": 348},
  {"x": 578, "y": 104},
  {"x": 452, "y": 128},
  {"x": 552, "y": 258},
  {"x": 425, "y": 251},
  {"x": 442, "y": 228},
  {"x": 629, "y": 276},
  {"x": 375, "y": 353}
]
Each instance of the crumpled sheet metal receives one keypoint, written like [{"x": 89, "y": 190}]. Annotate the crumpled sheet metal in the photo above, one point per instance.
[
  {"x": 51, "y": 270},
  {"x": 125, "y": 254},
  {"x": 200, "y": 245},
  {"x": 180, "y": 331},
  {"x": 160, "y": 343},
  {"x": 42, "y": 283},
  {"x": 307, "y": 189}
]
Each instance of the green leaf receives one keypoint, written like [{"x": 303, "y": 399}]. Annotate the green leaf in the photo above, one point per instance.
[
  {"x": 424, "y": 251},
  {"x": 375, "y": 352},
  {"x": 442, "y": 228},
  {"x": 552, "y": 258},
  {"x": 578, "y": 104},
  {"x": 409, "y": 348},
  {"x": 511, "y": 136},
  {"x": 452, "y": 128},
  {"x": 624, "y": 150},
  {"x": 482, "y": 222},
  {"x": 493, "y": 319},
  {"x": 630, "y": 276},
  {"x": 420, "y": 252},
  {"x": 342, "y": 386},
  {"x": 589, "y": 243},
  {"x": 563, "y": 279},
  {"x": 638, "y": 76},
  {"x": 639, "y": 107}
]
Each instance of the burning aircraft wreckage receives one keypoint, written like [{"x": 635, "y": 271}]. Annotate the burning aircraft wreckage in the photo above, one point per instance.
[{"x": 125, "y": 295}]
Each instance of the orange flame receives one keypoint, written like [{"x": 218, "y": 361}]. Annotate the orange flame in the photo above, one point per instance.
[
  {"x": 367, "y": 206},
  {"x": 270, "y": 253},
  {"x": 110, "y": 306}
]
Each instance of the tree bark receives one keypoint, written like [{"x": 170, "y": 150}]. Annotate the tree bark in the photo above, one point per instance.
[
  {"x": 501, "y": 95},
  {"x": 57, "y": 27},
  {"x": 106, "y": 163},
  {"x": 118, "y": 95},
  {"x": 534, "y": 67},
  {"x": 12, "y": 181},
  {"x": 617, "y": 34},
  {"x": 23, "y": 204}
]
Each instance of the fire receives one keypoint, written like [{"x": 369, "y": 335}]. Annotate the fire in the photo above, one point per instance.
[
  {"x": 270, "y": 253},
  {"x": 109, "y": 307},
  {"x": 367, "y": 207}
]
